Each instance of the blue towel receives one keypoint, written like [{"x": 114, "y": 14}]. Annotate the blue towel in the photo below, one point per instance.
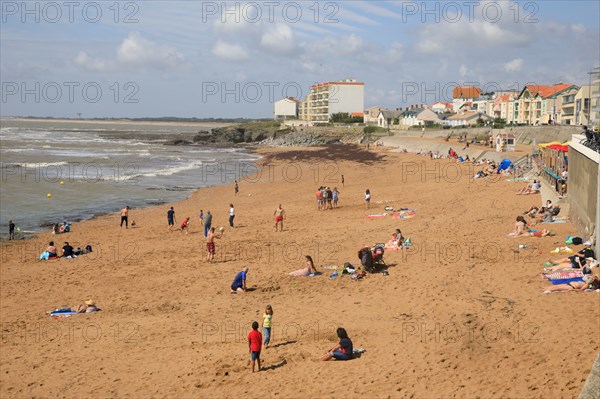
[{"x": 566, "y": 281}]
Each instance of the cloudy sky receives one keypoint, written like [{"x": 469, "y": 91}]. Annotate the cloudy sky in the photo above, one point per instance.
[{"x": 233, "y": 59}]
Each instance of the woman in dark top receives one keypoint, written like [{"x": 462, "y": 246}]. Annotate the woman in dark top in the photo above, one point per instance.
[{"x": 343, "y": 350}]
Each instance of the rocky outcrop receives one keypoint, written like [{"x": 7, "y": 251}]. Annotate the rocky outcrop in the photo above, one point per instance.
[{"x": 238, "y": 135}]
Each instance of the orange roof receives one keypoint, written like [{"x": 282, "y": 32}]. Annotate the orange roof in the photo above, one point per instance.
[
  {"x": 546, "y": 91},
  {"x": 447, "y": 105},
  {"x": 466, "y": 92},
  {"x": 293, "y": 99},
  {"x": 358, "y": 114}
]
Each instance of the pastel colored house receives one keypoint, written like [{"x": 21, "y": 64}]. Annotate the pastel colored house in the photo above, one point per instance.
[
  {"x": 387, "y": 117},
  {"x": 419, "y": 117},
  {"x": 463, "y": 94},
  {"x": 466, "y": 119}
]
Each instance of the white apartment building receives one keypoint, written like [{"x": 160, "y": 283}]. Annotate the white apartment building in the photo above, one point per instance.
[
  {"x": 328, "y": 98},
  {"x": 286, "y": 108}
]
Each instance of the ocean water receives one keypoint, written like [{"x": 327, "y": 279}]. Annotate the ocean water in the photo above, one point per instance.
[{"x": 90, "y": 169}]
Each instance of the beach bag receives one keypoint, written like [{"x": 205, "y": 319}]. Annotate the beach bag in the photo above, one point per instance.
[
  {"x": 88, "y": 248},
  {"x": 569, "y": 240},
  {"x": 576, "y": 240}
]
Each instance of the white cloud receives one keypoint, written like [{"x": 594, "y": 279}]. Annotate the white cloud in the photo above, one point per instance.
[
  {"x": 396, "y": 51},
  {"x": 514, "y": 65},
  {"x": 229, "y": 52},
  {"x": 463, "y": 70},
  {"x": 134, "y": 52},
  {"x": 278, "y": 39}
]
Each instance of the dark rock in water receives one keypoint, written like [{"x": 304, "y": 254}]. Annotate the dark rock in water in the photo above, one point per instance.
[
  {"x": 179, "y": 142},
  {"x": 202, "y": 137}
]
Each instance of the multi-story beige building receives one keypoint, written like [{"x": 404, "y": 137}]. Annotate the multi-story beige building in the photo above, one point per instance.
[
  {"x": 576, "y": 107},
  {"x": 328, "y": 98},
  {"x": 595, "y": 99}
]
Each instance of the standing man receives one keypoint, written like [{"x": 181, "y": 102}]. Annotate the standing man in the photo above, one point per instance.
[
  {"x": 124, "y": 215},
  {"x": 231, "y": 214},
  {"x": 342, "y": 180},
  {"x": 207, "y": 223},
  {"x": 210, "y": 243},
  {"x": 237, "y": 188},
  {"x": 11, "y": 230},
  {"x": 279, "y": 216},
  {"x": 171, "y": 217}
]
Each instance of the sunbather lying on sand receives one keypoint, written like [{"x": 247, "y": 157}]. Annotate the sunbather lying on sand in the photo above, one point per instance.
[
  {"x": 533, "y": 188},
  {"x": 88, "y": 307},
  {"x": 543, "y": 233},
  {"x": 589, "y": 282},
  {"x": 573, "y": 262},
  {"x": 307, "y": 271}
]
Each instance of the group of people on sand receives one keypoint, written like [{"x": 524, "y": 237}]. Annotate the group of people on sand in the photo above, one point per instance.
[
  {"x": 343, "y": 350},
  {"x": 68, "y": 251},
  {"x": 584, "y": 260},
  {"x": 61, "y": 228},
  {"x": 327, "y": 198}
]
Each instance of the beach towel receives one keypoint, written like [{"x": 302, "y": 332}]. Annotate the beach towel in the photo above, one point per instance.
[
  {"x": 567, "y": 290},
  {"x": 376, "y": 216},
  {"x": 403, "y": 215},
  {"x": 63, "y": 314},
  {"x": 564, "y": 275},
  {"x": 566, "y": 281}
]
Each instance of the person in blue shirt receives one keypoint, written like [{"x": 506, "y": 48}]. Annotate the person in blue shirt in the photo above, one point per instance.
[
  {"x": 343, "y": 350},
  {"x": 239, "y": 282}
]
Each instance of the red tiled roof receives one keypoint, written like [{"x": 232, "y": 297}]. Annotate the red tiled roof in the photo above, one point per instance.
[
  {"x": 466, "y": 92},
  {"x": 358, "y": 114},
  {"x": 546, "y": 91}
]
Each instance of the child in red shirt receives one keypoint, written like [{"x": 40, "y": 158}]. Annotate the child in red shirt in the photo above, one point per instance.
[
  {"x": 185, "y": 225},
  {"x": 255, "y": 344}
]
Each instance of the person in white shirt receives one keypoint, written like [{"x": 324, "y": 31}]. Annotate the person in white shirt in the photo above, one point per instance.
[{"x": 231, "y": 214}]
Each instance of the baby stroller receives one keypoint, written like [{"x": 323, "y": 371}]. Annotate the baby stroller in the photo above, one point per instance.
[{"x": 372, "y": 260}]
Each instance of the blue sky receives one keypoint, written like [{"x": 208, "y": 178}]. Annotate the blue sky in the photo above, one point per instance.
[{"x": 232, "y": 59}]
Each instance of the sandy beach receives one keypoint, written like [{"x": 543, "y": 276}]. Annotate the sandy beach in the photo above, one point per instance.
[{"x": 461, "y": 314}]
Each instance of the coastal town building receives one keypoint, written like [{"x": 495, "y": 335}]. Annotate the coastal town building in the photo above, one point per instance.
[
  {"x": 387, "y": 118},
  {"x": 582, "y": 110},
  {"x": 542, "y": 104},
  {"x": 328, "y": 98},
  {"x": 286, "y": 108},
  {"x": 371, "y": 115},
  {"x": 441, "y": 107},
  {"x": 419, "y": 117},
  {"x": 463, "y": 94},
  {"x": 469, "y": 118},
  {"x": 595, "y": 98}
]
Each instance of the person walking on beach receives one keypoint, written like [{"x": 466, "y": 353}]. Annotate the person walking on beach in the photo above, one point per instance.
[
  {"x": 210, "y": 243},
  {"x": 231, "y": 214},
  {"x": 254, "y": 344},
  {"x": 207, "y": 223},
  {"x": 124, "y": 216},
  {"x": 342, "y": 180},
  {"x": 236, "y": 188},
  {"x": 279, "y": 216},
  {"x": 11, "y": 230},
  {"x": 368, "y": 198},
  {"x": 201, "y": 218},
  {"x": 171, "y": 217}
]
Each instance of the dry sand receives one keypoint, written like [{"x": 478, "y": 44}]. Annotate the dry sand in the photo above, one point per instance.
[{"x": 170, "y": 328}]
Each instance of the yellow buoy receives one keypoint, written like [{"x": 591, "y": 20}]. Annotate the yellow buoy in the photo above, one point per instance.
[
  {"x": 62, "y": 183},
  {"x": 49, "y": 196}
]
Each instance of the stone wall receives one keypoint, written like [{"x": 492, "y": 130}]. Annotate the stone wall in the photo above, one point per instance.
[{"x": 583, "y": 189}]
